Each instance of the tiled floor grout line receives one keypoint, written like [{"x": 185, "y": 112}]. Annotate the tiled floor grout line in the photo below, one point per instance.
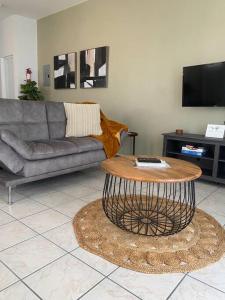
[
  {"x": 32, "y": 290},
  {"x": 19, "y": 280},
  {"x": 58, "y": 226},
  {"x": 37, "y": 233},
  {"x": 49, "y": 263},
  {"x": 86, "y": 263},
  {"x": 107, "y": 277},
  {"x": 70, "y": 252},
  {"x": 24, "y": 217},
  {"x": 124, "y": 288},
  {"x": 104, "y": 276},
  {"x": 8, "y": 286},
  {"x": 54, "y": 208},
  {"x": 210, "y": 194},
  {"x": 113, "y": 271},
  {"x": 168, "y": 297},
  {"x": 17, "y": 220},
  {"x": 66, "y": 253},
  {"x": 19, "y": 243},
  {"x": 40, "y": 234},
  {"x": 8, "y": 223},
  {"x": 47, "y": 208},
  {"x": 56, "y": 190},
  {"x": 211, "y": 286},
  {"x": 90, "y": 289}
]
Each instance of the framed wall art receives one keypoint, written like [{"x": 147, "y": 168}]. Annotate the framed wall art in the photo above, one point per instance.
[
  {"x": 65, "y": 71},
  {"x": 94, "y": 67}
]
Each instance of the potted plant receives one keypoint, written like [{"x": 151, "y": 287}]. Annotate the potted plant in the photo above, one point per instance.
[{"x": 29, "y": 90}]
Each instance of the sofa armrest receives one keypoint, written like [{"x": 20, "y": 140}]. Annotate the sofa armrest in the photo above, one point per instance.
[
  {"x": 9, "y": 159},
  {"x": 20, "y": 147}
]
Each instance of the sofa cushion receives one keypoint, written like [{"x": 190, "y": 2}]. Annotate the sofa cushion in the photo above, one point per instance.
[
  {"x": 11, "y": 115},
  {"x": 56, "y": 118},
  {"x": 49, "y": 148},
  {"x": 85, "y": 144},
  {"x": 27, "y": 119},
  {"x": 9, "y": 159},
  {"x": 35, "y": 126},
  {"x": 38, "y": 167}
]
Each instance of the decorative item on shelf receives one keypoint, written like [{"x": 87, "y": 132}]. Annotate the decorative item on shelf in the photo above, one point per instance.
[
  {"x": 94, "y": 67},
  {"x": 179, "y": 131},
  {"x": 65, "y": 71},
  {"x": 215, "y": 131},
  {"x": 193, "y": 151},
  {"x": 29, "y": 90}
]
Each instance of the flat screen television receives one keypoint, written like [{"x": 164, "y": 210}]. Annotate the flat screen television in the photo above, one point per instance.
[{"x": 204, "y": 85}]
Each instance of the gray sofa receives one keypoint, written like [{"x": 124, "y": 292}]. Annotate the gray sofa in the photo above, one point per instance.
[{"x": 33, "y": 145}]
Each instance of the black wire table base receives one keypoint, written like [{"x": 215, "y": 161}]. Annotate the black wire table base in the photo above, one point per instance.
[{"x": 152, "y": 209}]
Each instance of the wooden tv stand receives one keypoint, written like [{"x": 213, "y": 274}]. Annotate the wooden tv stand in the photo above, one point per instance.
[{"x": 212, "y": 163}]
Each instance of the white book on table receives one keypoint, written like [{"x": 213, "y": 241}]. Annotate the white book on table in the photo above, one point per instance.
[{"x": 163, "y": 164}]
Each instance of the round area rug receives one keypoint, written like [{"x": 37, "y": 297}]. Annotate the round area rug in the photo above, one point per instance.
[{"x": 199, "y": 244}]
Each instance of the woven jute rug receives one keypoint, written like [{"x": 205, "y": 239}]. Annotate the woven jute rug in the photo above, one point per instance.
[{"x": 198, "y": 245}]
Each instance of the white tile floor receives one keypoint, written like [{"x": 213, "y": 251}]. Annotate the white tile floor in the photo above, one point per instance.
[{"x": 41, "y": 259}]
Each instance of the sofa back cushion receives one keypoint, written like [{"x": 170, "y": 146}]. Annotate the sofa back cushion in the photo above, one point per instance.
[
  {"x": 11, "y": 115},
  {"x": 27, "y": 119},
  {"x": 35, "y": 126},
  {"x": 56, "y": 119}
]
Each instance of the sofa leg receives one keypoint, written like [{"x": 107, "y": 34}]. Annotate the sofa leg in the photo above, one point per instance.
[{"x": 10, "y": 195}]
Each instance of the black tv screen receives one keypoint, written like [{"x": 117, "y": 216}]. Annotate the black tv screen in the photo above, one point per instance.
[{"x": 204, "y": 85}]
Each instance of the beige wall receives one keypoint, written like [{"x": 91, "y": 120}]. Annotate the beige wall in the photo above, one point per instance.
[{"x": 150, "y": 41}]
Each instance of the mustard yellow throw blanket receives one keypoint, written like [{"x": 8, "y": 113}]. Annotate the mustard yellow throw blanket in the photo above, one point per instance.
[{"x": 110, "y": 136}]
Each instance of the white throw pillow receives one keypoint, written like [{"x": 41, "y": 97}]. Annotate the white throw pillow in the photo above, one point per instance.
[{"x": 82, "y": 119}]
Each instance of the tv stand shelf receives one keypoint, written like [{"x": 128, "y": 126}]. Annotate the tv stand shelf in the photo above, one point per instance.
[{"x": 212, "y": 163}]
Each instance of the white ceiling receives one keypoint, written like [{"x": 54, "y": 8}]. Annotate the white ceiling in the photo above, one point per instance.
[{"x": 35, "y": 9}]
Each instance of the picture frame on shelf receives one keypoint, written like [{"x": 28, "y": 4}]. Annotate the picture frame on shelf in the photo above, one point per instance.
[{"x": 215, "y": 131}]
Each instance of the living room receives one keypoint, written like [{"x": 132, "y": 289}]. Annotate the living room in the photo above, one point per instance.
[{"x": 149, "y": 43}]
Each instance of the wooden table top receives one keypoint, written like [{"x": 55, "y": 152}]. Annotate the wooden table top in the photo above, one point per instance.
[{"x": 179, "y": 171}]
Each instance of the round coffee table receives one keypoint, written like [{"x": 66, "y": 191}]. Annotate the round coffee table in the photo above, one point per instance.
[{"x": 149, "y": 201}]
